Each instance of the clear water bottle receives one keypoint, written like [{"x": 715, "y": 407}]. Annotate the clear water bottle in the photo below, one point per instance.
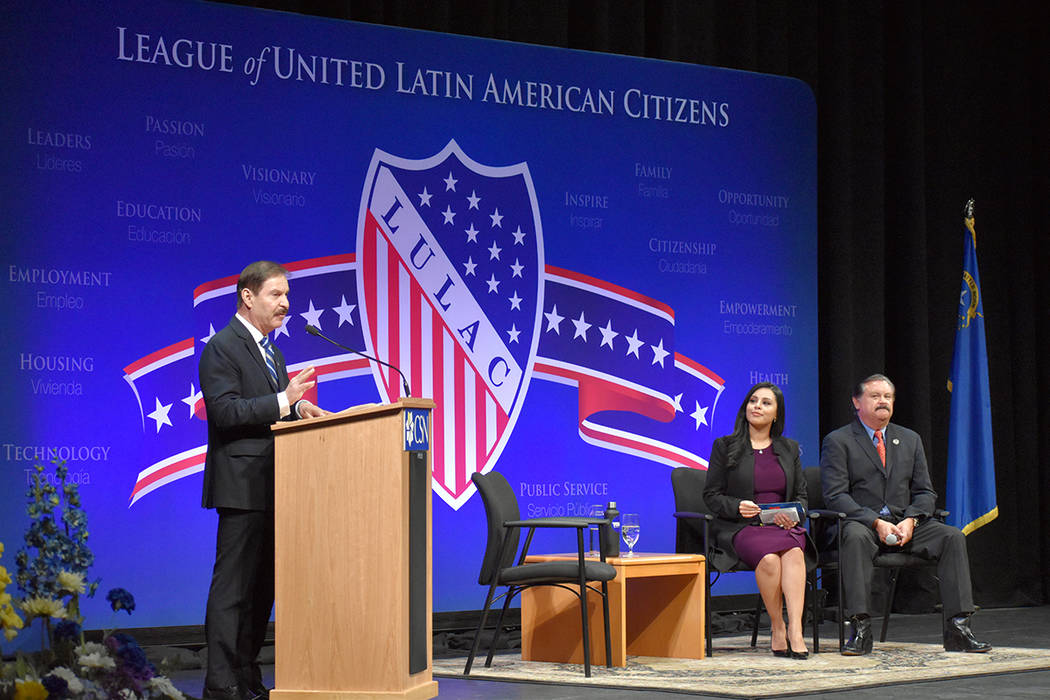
[
  {"x": 594, "y": 531},
  {"x": 611, "y": 535}
]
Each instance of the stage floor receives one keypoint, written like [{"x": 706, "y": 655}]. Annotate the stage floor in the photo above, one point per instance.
[{"x": 1005, "y": 627}]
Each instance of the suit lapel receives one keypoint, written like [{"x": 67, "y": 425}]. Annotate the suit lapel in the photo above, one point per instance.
[
  {"x": 745, "y": 472},
  {"x": 891, "y": 452},
  {"x": 282, "y": 372},
  {"x": 868, "y": 447},
  {"x": 254, "y": 351}
]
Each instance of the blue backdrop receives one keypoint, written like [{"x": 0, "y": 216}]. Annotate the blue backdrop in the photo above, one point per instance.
[{"x": 585, "y": 259}]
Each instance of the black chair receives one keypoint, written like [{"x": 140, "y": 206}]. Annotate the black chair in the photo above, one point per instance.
[
  {"x": 499, "y": 568},
  {"x": 895, "y": 562},
  {"x": 692, "y": 524},
  {"x": 829, "y": 540},
  {"x": 826, "y": 534}
]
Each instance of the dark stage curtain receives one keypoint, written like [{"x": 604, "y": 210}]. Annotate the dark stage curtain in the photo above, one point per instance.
[{"x": 921, "y": 106}]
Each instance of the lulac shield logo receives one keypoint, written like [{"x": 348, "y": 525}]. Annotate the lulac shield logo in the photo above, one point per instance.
[{"x": 451, "y": 255}]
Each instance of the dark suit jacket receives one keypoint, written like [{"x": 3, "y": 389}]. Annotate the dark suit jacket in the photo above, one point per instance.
[
  {"x": 856, "y": 484},
  {"x": 241, "y": 401},
  {"x": 725, "y": 488}
]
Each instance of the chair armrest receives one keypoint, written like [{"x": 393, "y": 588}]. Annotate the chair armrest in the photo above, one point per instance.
[
  {"x": 938, "y": 514},
  {"x": 826, "y": 514},
  {"x": 578, "y": 524},
  {"x": 690, "y": 515},
  {"x": 554, "y": 522}
]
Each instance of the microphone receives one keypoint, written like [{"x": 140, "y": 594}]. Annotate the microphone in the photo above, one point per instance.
[
  {"x": 891, "y": 539},
  {"x": 314, "y": 330}
]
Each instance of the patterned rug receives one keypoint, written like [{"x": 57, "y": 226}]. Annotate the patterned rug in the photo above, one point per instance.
[{"x": 736, "y": 670}]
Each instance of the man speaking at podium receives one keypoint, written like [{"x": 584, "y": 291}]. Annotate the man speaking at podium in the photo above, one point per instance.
[{"x": 246, "y": 389}]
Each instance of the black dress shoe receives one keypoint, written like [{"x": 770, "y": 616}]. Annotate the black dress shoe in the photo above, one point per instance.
[
  {"x": 958, "y": 637},
  {"x": 259, "y": 691},
  {"x": 782, "y": 653},
  {"x": 251, "y": 683},
  {"x": 860, "y": 641},
  {"x": 230, "y": 692},
  {"x": 799, "y": 655}
]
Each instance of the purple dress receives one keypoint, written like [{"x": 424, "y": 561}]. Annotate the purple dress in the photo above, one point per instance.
[{"x": 754, "y": 542}]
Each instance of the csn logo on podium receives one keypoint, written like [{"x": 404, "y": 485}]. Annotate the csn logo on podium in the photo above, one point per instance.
[{"x": 417, "y": 431}]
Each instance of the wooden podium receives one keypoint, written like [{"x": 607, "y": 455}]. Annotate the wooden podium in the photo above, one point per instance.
[{"x": 352, "y": 555}]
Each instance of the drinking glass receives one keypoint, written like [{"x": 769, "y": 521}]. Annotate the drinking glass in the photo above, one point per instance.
[
  {"x": 595, "y": 511},
  {"x": 629, "y": 530}
]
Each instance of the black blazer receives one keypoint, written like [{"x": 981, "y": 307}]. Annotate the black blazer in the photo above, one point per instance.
[
  {"x": 241, "y": 402},
  {"x": 725, "y": 488},
  {"x": 855, "y": 483}
]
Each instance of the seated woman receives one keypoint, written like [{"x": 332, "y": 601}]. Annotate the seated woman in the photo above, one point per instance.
[{"x": 756, "y": 464}]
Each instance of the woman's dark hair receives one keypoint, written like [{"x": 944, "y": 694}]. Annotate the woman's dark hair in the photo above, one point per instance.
[{"x": 740, "y": 440}]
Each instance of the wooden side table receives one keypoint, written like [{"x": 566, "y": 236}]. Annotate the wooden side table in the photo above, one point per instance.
[{"x": 656, "y": 608}]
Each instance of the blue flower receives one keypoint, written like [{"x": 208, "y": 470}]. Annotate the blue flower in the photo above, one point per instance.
[
  {"x": 119, "y": 599},
  {"x": 66, "y": 630},
  {"x": 56, "y": 539},
  {"x": 56, "y": 686},
  {"x": 133, "y": 668}
]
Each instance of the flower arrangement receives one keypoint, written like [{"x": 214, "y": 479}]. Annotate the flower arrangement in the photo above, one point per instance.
[
  {"x": 55, "y": 556},
  {"x": 52, "y": 572},
  {"x": 10, "y": 621}
]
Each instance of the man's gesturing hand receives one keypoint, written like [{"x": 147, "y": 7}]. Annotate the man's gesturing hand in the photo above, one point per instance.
[{"x": 299, "y": 385}]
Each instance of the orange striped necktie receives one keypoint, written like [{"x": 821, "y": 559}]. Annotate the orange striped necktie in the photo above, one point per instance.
[{"x": 880, "y": 447}]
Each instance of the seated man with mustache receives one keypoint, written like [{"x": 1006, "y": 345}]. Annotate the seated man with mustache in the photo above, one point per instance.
[{"x": 875, "y": 472}]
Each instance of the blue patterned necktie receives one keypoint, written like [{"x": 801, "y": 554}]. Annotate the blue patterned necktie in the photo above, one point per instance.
[{"x": 271, "y": 363}]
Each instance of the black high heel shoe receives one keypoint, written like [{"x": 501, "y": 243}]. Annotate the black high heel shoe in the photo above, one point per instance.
[
  {"x": 799, "y": 655},
  {"x": 781, "y": 653}
]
